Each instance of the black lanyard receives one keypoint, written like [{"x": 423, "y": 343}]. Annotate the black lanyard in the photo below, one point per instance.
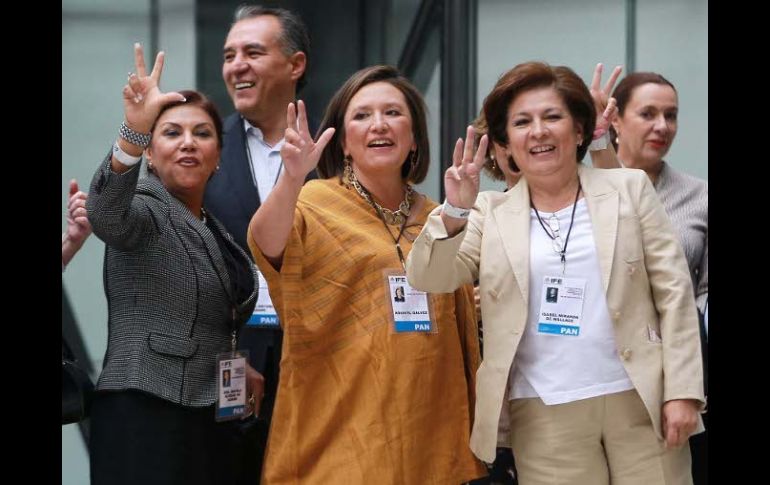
[
  {"x": 563, "y": 252},
  {"x": 382, "y": 218}
]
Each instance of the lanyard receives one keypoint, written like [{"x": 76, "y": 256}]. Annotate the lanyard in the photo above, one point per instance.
[
  {"x": 563, "y": 252},
  {"x": 382, "y": 218}
]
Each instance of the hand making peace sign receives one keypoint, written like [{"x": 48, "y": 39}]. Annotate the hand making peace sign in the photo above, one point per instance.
[
  {"x": 606, "y": 107},
  {"x": 142, "y": 98},
  {"x": 300, "y": 153},
  {"x": 461, "y": 180}
]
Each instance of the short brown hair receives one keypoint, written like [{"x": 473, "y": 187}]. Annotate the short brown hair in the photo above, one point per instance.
[
  {"x": 199, "y": 100},
  {"x": 332, "y": 158},
  {"x": 625, "y": 89},
  {"x": 530, "y": 75}
]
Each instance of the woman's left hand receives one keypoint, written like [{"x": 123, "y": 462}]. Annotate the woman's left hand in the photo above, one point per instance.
[
  {"x": 606, "y": 107},
  {"x": 300, "y": 153},
  {"x": 78, "y": 227},
  {"x": 462, "y": 178},
  {"x": 680, "y": 418}
]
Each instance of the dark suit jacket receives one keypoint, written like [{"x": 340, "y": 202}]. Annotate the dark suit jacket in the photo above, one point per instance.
[{"x": 171, "y": 308}]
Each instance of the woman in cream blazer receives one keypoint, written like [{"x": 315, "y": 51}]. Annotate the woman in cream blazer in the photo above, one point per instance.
[{"x": 630, "y": 428}]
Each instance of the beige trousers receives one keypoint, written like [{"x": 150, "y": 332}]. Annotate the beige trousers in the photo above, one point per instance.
[{"x": 598, "y": 441}]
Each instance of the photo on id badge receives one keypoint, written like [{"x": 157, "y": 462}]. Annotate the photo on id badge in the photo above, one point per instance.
[
  {"x": 226, "y": 378},
  {"x": 552, "y": 294},
  {"x": 398, "y": 295}
]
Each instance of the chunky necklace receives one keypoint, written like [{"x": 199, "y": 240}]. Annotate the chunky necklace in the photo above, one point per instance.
[{"x": 393, "y": 218}]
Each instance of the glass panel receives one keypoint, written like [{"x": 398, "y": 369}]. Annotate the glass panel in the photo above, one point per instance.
[
  {"x": 398, "y": 24},
  {"x": 560, "y": 32},
  {"x": 672, "y": 40},
  {"x": 97, "y": 55},
  {"x": 431, "y": 186}
]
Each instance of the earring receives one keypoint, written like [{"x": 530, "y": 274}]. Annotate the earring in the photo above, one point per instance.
[
  {"x": 217, "y": 169},
  {"x": 150, "y": 166}
]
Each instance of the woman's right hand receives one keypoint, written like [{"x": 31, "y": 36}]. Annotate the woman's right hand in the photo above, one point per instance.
[
  {"x": 142, "y": 98},
  {"x": 461, "y": 180},
  {"x": 300, "y": 153}
]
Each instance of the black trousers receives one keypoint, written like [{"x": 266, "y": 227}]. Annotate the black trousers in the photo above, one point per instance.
[
  {"x": 699, "y": 452},
  {"x": 137, "y": 438}
]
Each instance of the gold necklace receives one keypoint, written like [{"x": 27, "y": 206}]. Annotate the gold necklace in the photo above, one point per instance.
[{"x": 393, "y": 218}]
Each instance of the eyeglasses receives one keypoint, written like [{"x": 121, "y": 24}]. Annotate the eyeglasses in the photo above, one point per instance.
[
  {"x": 559, "y": 246},
  {"x": 556, "y": 240}
]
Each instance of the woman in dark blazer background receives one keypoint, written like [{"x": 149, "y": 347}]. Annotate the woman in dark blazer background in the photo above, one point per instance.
[{"x": 178, "y": 290}]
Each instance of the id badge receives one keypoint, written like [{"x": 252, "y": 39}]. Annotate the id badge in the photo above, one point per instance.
[
  {"x": 264, "y": 315},
  {"x": 231, "y": 385},
  {"x": 410, "y": 308},
  {"x": 561, "y": 306}
]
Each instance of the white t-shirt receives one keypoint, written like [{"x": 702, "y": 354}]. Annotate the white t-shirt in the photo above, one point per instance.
[{"x": 564, "y": 368}]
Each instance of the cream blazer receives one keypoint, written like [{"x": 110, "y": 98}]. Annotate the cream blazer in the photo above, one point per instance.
[{"x": 644, "y": 273}]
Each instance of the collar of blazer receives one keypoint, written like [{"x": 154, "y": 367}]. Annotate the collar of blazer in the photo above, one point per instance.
[
  {"x": 512, "y": 220},
  {"x": 210, "y": 242}
]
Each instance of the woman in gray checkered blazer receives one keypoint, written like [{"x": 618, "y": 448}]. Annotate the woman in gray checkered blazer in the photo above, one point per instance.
[{"x": 178, "y": 290}]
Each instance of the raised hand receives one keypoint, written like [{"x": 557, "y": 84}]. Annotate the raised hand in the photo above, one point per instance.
[
  {"x": 606, "y": 106},
  {"x": 300, "y": 153},
  {"x": 78, "y": 227},
  {"x": 142, "y": 98},
  {"x": 461, "y": 180}
]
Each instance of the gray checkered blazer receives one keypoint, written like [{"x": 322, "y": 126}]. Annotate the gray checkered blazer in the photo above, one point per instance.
[{"x": 167, "y": 290}]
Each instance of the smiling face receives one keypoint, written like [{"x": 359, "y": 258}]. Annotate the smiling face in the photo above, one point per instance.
[
  {"x": 378, "y": 130},
  {"x": 542, "y": 135},
  {"x": 648, "y": 125},
  {"x": 260, "y": 77},
  {"x": 184, "y": 150}
]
